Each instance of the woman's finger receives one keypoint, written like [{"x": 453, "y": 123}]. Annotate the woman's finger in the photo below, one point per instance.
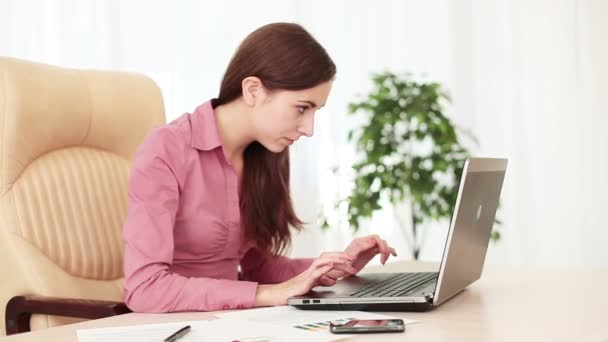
[
  {"x": 338, "y": 269},
  {"x": 386, "y": 249},
  {"x": 322, "y": 261},
  {"x": 349, "y": 269},
  {"x": 334, "y": 274},
  {"x": 383, "y": 247},
  {"x": 337, "y": 255},
  {"x": 327, "y": 281},
  {"x": 390, "y": 250},
  {"x": 316, "y": 274}
]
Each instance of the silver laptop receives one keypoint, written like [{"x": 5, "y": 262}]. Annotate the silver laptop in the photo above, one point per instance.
[{"x": 462, "y": 262}]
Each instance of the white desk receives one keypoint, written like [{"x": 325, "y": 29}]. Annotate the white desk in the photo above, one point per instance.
[{"x": 506, "y": 304}]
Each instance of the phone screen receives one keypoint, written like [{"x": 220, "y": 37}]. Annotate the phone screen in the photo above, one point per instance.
[{"x": 368, "y": 325}]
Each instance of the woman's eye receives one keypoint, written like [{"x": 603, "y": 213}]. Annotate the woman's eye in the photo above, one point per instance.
[{"x": 302, "y": 109}]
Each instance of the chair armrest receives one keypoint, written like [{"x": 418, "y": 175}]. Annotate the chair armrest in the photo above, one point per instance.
[{"x": 19, "y": 310}]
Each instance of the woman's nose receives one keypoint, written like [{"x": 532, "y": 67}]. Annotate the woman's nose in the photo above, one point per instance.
[{"x": 307, "y": 125}]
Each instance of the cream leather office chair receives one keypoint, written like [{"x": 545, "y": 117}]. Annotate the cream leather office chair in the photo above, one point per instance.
[{"x": 66, "y": 140}]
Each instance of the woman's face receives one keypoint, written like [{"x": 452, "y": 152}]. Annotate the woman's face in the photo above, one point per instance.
[{"x": 283, "y": 116}]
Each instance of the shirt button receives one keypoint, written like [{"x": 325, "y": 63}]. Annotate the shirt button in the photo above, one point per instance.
[
  {"x": 225, "y": 307},
  {"x": 240, "y": 306}
]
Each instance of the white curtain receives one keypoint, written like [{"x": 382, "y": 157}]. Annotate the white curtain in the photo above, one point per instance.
[
  {"x": 530, "y": 79},
  {"x": 527, "y": 77}
]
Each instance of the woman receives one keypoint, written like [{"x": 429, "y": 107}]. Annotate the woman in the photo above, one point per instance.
[{"x": 209, "y": 192}]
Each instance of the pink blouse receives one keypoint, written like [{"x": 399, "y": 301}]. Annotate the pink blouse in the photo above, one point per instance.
[{"x": 183, "y": 241}]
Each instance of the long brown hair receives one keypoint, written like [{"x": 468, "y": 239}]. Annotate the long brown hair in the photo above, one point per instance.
[{"x": 283, "y": 56}]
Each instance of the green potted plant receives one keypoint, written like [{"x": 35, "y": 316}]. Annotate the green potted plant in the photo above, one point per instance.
[{"x": 410, "y": 152}]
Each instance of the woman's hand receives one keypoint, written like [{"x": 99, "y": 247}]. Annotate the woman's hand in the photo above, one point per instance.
[
  {"x": 272, "y": 295},
  {"x": 362, "y": 250}
]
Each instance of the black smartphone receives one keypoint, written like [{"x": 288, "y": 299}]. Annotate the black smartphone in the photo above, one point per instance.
[{"x": 355, "y": 326}]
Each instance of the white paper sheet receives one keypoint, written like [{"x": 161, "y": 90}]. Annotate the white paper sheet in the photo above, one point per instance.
[
  {"x": 214, "y": 330},
  {"x": 305, "y": 320}
]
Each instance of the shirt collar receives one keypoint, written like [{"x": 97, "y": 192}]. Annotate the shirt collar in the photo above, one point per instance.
[{"x": 205, "y": 135}]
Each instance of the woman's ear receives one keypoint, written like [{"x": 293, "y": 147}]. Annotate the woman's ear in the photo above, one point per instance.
[{"x": 253, "y": 90}]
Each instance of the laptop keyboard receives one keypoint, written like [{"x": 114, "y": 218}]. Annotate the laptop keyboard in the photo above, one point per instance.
[{"x": 396, "y": 285}]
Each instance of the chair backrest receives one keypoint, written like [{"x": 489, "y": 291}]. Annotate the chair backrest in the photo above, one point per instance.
[{"x": 66, "y": 141}]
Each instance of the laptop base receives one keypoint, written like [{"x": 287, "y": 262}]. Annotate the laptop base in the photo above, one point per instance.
[{"x": 406, "y": 307}]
